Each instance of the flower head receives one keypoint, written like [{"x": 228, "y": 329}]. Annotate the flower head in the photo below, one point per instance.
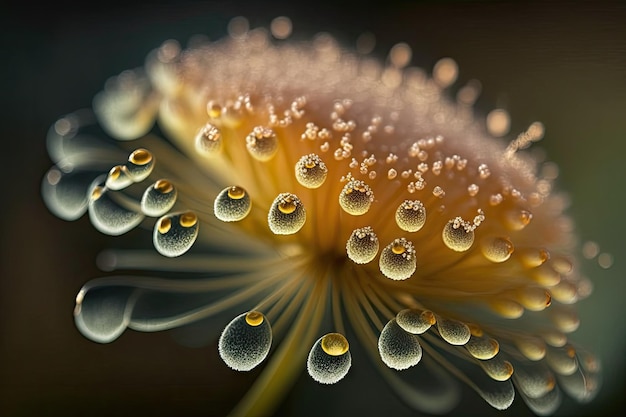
[{"x": 308, "y": 198}]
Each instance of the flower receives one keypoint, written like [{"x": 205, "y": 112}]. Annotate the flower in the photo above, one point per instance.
[{"x": 308, "y": 199}]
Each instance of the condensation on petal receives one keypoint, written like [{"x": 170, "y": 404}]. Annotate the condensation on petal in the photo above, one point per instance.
[
  {"x": 174, "y": 234},
  {"x": 246, "y": 341},
  {"x": 66, "y": 194},
  {"x": 108, "y": 216},
  {"x": 102, "y": 314},
  {"x": 398, "y": 349}
]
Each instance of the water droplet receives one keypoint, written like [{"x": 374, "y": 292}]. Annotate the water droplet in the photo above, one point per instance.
[
  {"x": 311, "y": 171},
  {"x": 362, "y": 246},
  {"x": 246, "y": 341},
  {"x": 518, "y": 219},
  {"x": 108, "y": 216},
  {"x": 415, "y": 321},
  {"x": 118, "y": 178},
  {"x": 356, "y": 197},
  {"x": 453, "y": 331},
  {"x": 140, "y": 164},
  {"x": 175, "y": 233},
  {"x": 262, "y": 143},
  {"x": 497, "y": 249},
  {"x": 397, "y": 260},
  {"x": 159, "y": 198},
  {"x": 457, "y": 235},
  {"x": 286, "y": 215},
  {"x": 411, "y": 215},
  {"x": 208, "y": 140},
  {"x": 329, "y": 359},
  {"x": 232, "y": 204},
  {"x": 398, "y": 349}
]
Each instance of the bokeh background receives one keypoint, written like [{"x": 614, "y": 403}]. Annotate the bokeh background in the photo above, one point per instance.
[{"x": 563, "y": 63}]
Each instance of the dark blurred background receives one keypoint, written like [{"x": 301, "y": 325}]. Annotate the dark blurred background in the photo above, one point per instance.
[{"x": 563, "y": 63}]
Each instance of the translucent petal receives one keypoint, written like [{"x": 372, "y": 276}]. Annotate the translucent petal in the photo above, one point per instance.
[
  {"x": 232, "y": 204},
  {"x": 398, "y": 349},
  {"x": 102, "y": 314},
  {"x": 411, "y": 215},
  {"x": 286, "y": 215},
  {"x": 356, "y": 197},
  {"x": 159, "y": 198},
  {"x": 175, "y": 233},
  {"x": 397, "y": 260},
  {"x": 108, "y": 216},
  {"x": 329, "y": 365},
  {"x": 545, "y": 405},
  {"x": 246, "y": 341},
  {"x": 66, "y": 193},
  {"x": 453, "y": 331},
  {"x": 311, "y": 171},
  {"x": 415, "y": 321},
  {"x": 362, "y": 245}
]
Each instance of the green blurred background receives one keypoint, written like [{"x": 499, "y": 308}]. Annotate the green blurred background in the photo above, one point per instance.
[{"x": 563, "y": 63}]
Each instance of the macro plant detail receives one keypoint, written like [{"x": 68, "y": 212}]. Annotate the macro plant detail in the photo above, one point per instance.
[{"x": 303, "y": 198}]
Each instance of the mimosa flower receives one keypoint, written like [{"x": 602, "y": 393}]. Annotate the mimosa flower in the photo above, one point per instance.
[{"x": 307, "y": 198}]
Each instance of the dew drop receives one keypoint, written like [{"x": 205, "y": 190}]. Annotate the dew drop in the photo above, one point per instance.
[
  {"x": 311, "y": 171},
  {"x": 517, "y": 220},
  {"x": 246, "y": 341},
  {"x": 118, "y": 178},
  {"x": 362, "y": 246},
  {"x": 208, "y": 141},
  {"x": 175, "y": 233},
  {"x": 415, "y": 321},
  {"x": 232, "y": 204},
  {"x": 286, "y": 215},
  {"x": 411, "y": 215},
  {"x": 398, "y": 349},
  {"x": 159, "y": 198},
  {"x": 140, "y": 164},
  {"x": 397, "y": 260},
  {"x": 497, "y": 249},
  {"x": 356, "y": 197},
  {"x": 107, "y": 216},
  {"x": 457, "y": 235},
  {"x": 329, "y": 359},
  {"x": 453, "y": 331},
  {"x": 102, "y": 314},
  {"x": 262, "y": 143}
]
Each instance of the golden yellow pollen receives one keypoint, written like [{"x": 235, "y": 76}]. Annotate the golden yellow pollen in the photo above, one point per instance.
[
  {"x": 96, "y": 193},
  {"x": 236, "y": 193},
  {"x": 214, "y": 110},
  {"x": 163, "y": 186},
  {"x": 309, "y": 164},
  {"x": 429, "y": 317},
  {"x": 115, "y": 172},
  {"x": 188, "y": 219},
  {"x": 398, "y": 248},
  {"x": 335, "y": 344},
  {"x": 287, "y": 206},
  {"x": 140, "y": 157},
  {"x": 254, "y": 318},
  {"x": 164, "y": 226}
]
